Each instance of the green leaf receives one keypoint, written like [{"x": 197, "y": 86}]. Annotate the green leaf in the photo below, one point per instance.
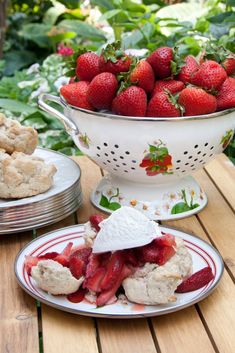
[
  {"x": 83, "y": 29},
  {"x": 114, "y": 206},
  {"x": 152, "y": 148},
  {"x": 225, "y": 16},
  {"x": 35, "y": 120},
  {"x": 53, "y": 13},
  {"x": 104, "y": 202},
  {"x": 18, "y": 59},
  {"x": 105, "y": 5},
  {"x": 109, "y": 14},
  {"x": 16, "y": 106},
  {"x": 194, "y": 206},
  {"x": 180, "y": 208},
  {"x": 37, "y": 33}
]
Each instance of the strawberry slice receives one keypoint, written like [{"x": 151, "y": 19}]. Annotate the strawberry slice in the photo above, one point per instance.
[
  {"x": 83, "y": 254},
  {"x": 93, "y": 264},
  {"x": 165, "y": 240},
  {"x": 165, "y": 253},
  {"x": 67, "y": 249},
  {"x": 95, "y": 219},
  {"x": 48, "y": 256},
  {"x": 148, "y": 253},
  {"x": 93, "y": 283},
  {"x": 77, "y": 296},
  {"x": 76, "y": 267},
  {"x": 62, "y": 259},
  {"x": 29, "y": 262},
  {"x": 131, "y": 257},
  {"x": 105, "y": 296},
  {"x": 198, "y": 280},
  {"x": 114, "y": 268}
]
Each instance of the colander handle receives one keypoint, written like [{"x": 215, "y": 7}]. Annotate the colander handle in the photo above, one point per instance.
[{"x": 69, "y": 125}]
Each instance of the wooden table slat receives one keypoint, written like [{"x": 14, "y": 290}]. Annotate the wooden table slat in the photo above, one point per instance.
[
  {"x": 219, "y": 221},
  {"x": 18, "y": 312},
  {"x": 222, "y": 172},
  {"x": 219, "y": 307}
]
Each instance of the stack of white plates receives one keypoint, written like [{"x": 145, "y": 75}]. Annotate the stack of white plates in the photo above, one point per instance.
[{"x": 64, "y": 197}]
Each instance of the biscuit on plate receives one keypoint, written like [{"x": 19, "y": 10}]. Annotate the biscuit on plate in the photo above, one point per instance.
[
  {"x": 15, "y": 137},
  {"x": 23, "y": 176}
]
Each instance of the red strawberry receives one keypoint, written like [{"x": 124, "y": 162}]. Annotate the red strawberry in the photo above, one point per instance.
[
  {"x": 76, "y": 267},
  {"x": 149, "y": 253},
  {"x": 165, "y": 254},
  {"x": 77, "y": 94},
  {"x": 190, "y": 67},
  {"x": 82, "y": 253},
  {"x": 165, "y": 240},
  {"x": 166, "y": 161},
  {"x": 105, "y": 296},
  {"x": 62, "y": 259},
  {"x": 132, "y": 102},
  {"x": 102, "y": 90},
  {"x": 163, "y": 104},
  {"x": 196, "y": 101},
  {"x": 77, "y": 296},
  {"x": 113, "y": 270},
  {"x": 210, "y": 75},
  {"x": 155, "y": 170},
  {"x": 147, "y": 162},
  {"x": 119, "y": 65},
  {"x": 95, "y": 219},
  {"x": 160, "y": 60},
  {"x": 68, "y": 249},
  {"x": 172, "y": 86},
  {"x": 93, "y": 283},
  {"x": 87, "y": 66},
  {"x": 226, "y": 95},
  {"x": 229, "y": 65},
  {"x": 114, "y": 60},
  {"x": 48, "y": 256},
  {"x": 131, "y": 258},
  {"x": 196, "y": 281},
  {"x": 29, "y": 262},
  {"x": 93, "y": 264},
  {"x": 143, "y": 76}
]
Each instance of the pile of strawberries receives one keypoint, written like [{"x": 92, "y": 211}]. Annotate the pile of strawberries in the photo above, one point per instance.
[
  {"x": 162, "y": 85},
  {"x": 104, "y": 273}
]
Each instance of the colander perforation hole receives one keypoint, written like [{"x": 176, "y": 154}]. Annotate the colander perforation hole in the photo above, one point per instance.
[
  {"x": 108, "y": 161},
  {"x": 185, "y": 152},
  {"x": 115, "y": 159},
  {"x": 104, "y": 163},
  {"x": 190, "y": 157},
  {"x": 121, "y": 157},
  {"x": 187, "y": 163},
  {"x": 196, "y": 159},
  {"x": 127, "y": 152},
  {"x": 211, "y": 155},
  {"x": 98, "y": 155},
  {"x": 132, "y": 168},
  {"x": 106, "y": 154},
  {"x": 117, "y": 165},
  {"x": 204, "y": 154},
  {"x": 206, "y": 144},
  {"x": 116, "y": 146},
  {"x": 112, "y": 152},
  {"x": 199, "y": 152},
  {"x": 196, "y": 146},
  {"x": 98, "y": 147},
  {"x": 192, "y": 165},
  {"x": 212, "y": 147},
  {"x": 115, "y": 169},
  {"x": 178, "y": 161},
  {"x": 123, "y": 163},
  {"x": 105, "y": 144},
  {"x": 133, "y": 161},
  {"x": 126, "y": 171}
]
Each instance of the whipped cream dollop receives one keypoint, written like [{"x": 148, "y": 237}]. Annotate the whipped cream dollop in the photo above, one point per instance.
[{"x": 124, "y": 229}]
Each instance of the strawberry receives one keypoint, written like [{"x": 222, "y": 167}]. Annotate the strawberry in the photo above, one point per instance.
[
  {"x": 48, "y": 256},
  {"x": 196, "y": 281},
  {"x": 77, "y": 94},
  {"x": 76, "y": 267},
  {"x": 226, "y": 95},
  {"x": 114, "y": 60},
  {"x": 130, "y": 257},
  {"x": 210, "y": 75},
  {"x": 196, "y": 101},
  {"x": 29, "y": 262},
  {"x": 163, "y": 104},
  {"x": 95, "y": 219},
  {"x": 93, "y": 283},
  {"x": 155, "y": 170},
  {"x": 68, "y": 249},
  {"x": 190, "y": 67},
  {"x": 147, "y": 162},
  {"x": 113, "y": 270},
  {"x": 221, "y": 55},
  {"x": 87, "y": 66},
  {"x": 165, "y": 240},
  {"x": 105, "y": 296},
  {"x": 172, "y": 86},
  {"x": 102, "y": 90},
  {"x": 83, "y": 254},
  {"x": 132, "y": 102},
  {"x": 165, "y": 254},
  {"x": 77, "y": 296},
  {"x": 93, "y": 264},
  {"x": 160, "y": 60},
  {"x": 143, "y": 76},
  {"x": 229, "y": 65},
  {"x": 149, "y": 253}
]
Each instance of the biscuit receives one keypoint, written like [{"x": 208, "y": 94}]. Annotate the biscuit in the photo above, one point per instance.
[
  {"x": 23, "y": 176},
  {"x": 15, "y": 137}
]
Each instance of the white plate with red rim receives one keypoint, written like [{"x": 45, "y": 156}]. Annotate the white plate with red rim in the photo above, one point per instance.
[{"x": 203, "y": 254}]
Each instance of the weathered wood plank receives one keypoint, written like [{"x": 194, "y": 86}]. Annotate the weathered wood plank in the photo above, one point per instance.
[
  {"x": 18, "y": 311},
  {"x": 218, "y": 219},
  {"x": 118, "y": 336},
  {"x": 218, "y": 308},
  {"x": 222, "y": 172}
]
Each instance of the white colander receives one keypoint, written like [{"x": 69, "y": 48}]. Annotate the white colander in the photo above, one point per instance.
[{"x": 172, "y": 149}]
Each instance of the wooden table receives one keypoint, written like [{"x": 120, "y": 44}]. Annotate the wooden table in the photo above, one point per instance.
[{"x": 26, "y": 327}]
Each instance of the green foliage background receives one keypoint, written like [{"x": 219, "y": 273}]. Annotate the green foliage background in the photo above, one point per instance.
[{"x": 34, "y": 29}]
